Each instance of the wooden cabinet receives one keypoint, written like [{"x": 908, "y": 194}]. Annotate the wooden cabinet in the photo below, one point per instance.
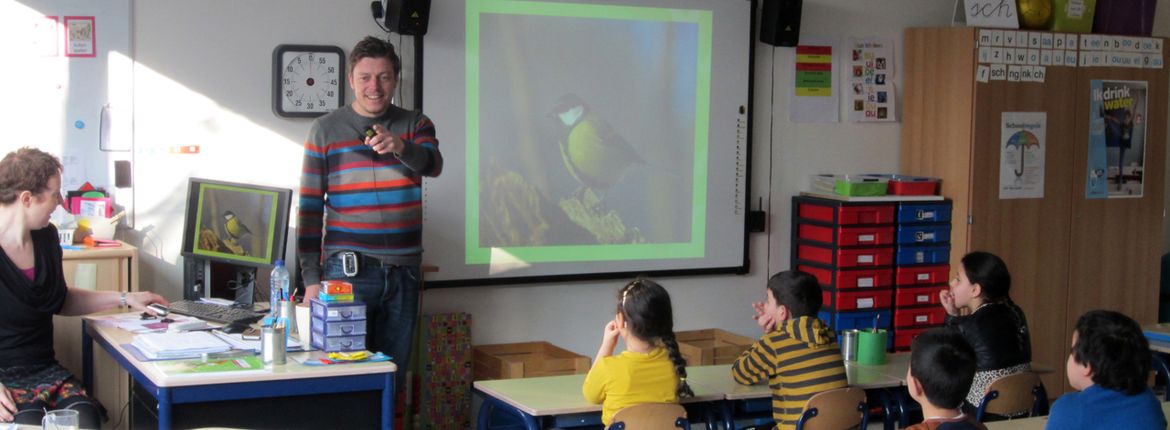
[
  {"x": 1067, "y": 254},
  {"x": 106, "y": 269}
]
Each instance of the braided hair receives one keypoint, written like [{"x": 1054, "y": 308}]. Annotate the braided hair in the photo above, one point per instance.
[{"x": 645, "y": 305}]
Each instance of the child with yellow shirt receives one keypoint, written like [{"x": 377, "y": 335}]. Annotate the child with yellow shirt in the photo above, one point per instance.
[
  {"x": 651, "y": 369},
  {"x": 798, "y": 354}
]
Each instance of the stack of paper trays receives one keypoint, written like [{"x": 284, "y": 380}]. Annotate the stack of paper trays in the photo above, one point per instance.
[{"x": 165, "y": 346}]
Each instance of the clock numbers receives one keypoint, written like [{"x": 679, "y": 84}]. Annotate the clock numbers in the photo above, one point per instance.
[{"x": 308, "y": 80}]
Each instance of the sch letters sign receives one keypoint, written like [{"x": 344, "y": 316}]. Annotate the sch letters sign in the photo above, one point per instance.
[{"x": 990, "y": 13}]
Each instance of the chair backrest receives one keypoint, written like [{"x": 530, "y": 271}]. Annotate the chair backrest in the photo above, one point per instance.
[
  {"x": 838, "y": 409},
  {"x": 651, "y": 416},
  {"x": 1013, "y": 395}
]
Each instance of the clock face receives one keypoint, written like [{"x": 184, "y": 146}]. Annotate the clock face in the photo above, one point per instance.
[{"x": 308, "y": 81}]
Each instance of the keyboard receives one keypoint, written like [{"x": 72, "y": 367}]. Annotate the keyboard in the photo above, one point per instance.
[{"x": 215, "y": 312}]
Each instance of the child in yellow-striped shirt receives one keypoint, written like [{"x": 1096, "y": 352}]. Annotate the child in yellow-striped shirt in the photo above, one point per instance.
[{"x": 798, "y": 354}]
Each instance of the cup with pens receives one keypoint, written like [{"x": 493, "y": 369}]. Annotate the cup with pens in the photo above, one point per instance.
[{"x": 871, "y": 344}]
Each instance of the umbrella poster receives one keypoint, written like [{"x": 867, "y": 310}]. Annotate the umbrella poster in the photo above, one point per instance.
[
  {"x": 1117, "y": 139},
  {"x": 1021, "y": 155}
]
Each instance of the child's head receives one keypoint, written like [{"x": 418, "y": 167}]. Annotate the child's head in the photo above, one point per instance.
[
  {"x": 942, "y": 366},
  {"x": 1108, "y": 349},
  {"x": 793, "y": 294},
  {"x": 982, "y": 275},
  {"x": 644, "y": 311}
]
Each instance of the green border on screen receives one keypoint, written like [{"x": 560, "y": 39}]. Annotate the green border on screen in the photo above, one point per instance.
[
  {"x": 577, "y": 253},
  {"x": 229, "y": 256}
]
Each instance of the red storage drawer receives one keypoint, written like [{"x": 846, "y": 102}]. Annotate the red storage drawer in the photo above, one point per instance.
[
  {"x": 847, "y": 236},
  {"x": 904, "y": 336},
  {"x": 918, "y": 317},
  {"x": 850, "y": 278},
  {"x": 852, "y": 300},
  {"x": 917, "y": 296},
  {"x": 835, "y": 212},
  {"x": 850, "y": 257},
  {"x": 922, "y": 275}
]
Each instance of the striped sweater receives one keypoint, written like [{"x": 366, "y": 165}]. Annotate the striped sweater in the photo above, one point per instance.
[
  {"x": 798, "y": 359},
  {"x": 353, "y": 199}
]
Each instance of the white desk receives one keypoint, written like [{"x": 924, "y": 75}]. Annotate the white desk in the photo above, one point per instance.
[
  {"x": 1038, "y": 423},
  {"x": 292, "y": 379}
]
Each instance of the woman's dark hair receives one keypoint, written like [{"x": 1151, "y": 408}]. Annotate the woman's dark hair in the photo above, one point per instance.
[
  {"x": 798, "y": 291},
  {"x": 26, "y": 169},
  {"x": 645, "y": 305},
  {"x": 1114, "y": 347},
  {"x": 373, "y": 47},
  {"x": 991, "y": 273}
]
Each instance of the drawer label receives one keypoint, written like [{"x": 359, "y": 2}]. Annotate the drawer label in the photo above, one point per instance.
[
  {"x": 921, "y": 318},
  {"x": 865, "y": 258},
  {"x": 923, "y": 298},
  {"x": 865, "y": 303},
  {"x": 923, "y": 276},
  {"x": 865, "y": 238},
  {"x": 864, "y": 282}
]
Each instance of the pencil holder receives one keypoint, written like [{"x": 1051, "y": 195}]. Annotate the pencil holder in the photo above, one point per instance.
[
  {"x": 871, "y": 347},
  {"x": 272, "y": 345}
]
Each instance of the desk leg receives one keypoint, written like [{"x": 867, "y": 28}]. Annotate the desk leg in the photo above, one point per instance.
[
  {"x": 388, "y": 402},
  {"x": 728, "y": 414},
  {"x": 490, "y": 403},
  {"x": 87, "y": 361},
  {"x": 164, "y": 409}
]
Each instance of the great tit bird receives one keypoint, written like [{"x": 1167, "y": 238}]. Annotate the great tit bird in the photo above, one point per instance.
[
  {"x": 592, "y": 151},
  {"x": 233, "y": 226}
]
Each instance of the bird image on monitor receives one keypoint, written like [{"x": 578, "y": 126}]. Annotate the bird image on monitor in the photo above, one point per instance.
[
  {"x": 592, "y": 151},
  {"x": 236, "y": 230}
]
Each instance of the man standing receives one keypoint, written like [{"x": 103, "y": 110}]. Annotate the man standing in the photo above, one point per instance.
[{"x": 361, "y": 199}]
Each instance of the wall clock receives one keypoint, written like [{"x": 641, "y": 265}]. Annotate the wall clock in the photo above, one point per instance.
[{"x": 307, "y": 80}]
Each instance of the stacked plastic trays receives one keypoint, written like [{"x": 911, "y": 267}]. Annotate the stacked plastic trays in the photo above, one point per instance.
[
  {"x": 850, "y": 248},
  {"x": 922, "y": 268}
]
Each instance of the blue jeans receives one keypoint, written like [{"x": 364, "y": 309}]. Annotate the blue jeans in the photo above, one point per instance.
[{"x": 391, "y": 296}]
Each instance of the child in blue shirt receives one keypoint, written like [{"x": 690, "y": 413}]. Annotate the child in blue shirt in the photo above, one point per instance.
[{"x": 1109, "y": 363}]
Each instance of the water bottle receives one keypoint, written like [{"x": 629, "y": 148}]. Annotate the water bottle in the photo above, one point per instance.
[{"x": 278, "y": 286}]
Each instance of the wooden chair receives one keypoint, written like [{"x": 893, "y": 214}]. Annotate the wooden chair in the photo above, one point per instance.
[
  {"x": 1020, "y": 394},
  {"x": 830, "y": 410},
  {"x": 651, "y": 416}
]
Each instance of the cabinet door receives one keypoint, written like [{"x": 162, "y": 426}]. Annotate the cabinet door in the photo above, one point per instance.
[
  {"x": 1031, "y": 235},
  {"x": 1117, "y": 242},
  {"x": 111, "y": 381}
]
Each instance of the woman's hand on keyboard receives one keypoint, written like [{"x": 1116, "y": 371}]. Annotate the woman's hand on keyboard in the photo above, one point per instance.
[{"x": 139, "y": 300}]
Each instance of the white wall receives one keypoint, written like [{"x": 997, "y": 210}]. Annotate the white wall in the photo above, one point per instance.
[{"x": 203, "y": 77}]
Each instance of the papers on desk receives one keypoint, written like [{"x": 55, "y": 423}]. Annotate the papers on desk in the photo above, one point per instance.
[
  {"x": 165, "y": 346},
  {"x": 135, "y": 324},
  {"x": 196, "y": 367},
  {"x": 237, "y": 341}
]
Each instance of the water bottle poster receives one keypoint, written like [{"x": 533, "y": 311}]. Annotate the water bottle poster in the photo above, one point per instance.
[{"x": 1117, "y": 139}]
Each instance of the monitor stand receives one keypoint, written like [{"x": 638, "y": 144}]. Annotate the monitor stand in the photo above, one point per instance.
[{"x": 245, "y": 287}]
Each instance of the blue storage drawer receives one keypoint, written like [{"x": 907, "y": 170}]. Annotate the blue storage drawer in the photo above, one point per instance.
[
  {"x": 856, "y": 319},
  {"x": 924, "y": 234},
  {"x": 924, "y": 212},
  {"x": 907, "y": 255}
]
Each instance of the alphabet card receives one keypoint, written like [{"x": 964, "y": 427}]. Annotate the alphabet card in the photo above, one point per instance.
[{"x": 987, "y": 13}]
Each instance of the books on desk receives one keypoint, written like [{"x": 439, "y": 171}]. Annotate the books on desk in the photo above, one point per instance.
[{"x": 166, "y": 346}]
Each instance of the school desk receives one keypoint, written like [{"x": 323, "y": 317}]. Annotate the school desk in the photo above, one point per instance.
[
  {"x": 1038, "y": 423},
  {"x": 755, "y": 401},
  {"x": 1157, "y": 335},
  {"x": 293, "y": 388},
  {"x": 557, "y": 402}
]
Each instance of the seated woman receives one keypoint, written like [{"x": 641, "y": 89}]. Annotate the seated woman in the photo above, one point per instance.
[
  {"x": 32, "y": 290},
  {"x": 995, "y": 327}
]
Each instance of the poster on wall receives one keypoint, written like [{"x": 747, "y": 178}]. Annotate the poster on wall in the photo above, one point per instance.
[
  {"x": 870, "y": 92},
  {"x": 1021, "y": 155},
  {"x": 1117, "y": 139},
  {"x": 80, "y": 40},
  {"x": 814, "y": 98}
]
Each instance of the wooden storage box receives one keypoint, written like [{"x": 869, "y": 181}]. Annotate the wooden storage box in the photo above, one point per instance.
[
  {"x": 525, "y": 360},
  {"x": 711, "y": 346}
]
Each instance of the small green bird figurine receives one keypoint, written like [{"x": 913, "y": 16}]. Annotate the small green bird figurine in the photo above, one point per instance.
[{"x": 592, "y": 151}]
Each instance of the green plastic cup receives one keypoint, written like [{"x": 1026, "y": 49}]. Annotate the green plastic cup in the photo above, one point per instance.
[{"x": 871, "y": 347}]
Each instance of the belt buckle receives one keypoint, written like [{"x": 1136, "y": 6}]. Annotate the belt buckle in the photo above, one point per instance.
[{"x": 349, "y": 263}]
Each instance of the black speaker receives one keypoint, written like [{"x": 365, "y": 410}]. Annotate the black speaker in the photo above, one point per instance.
[
  {"x": 780, "y": 23},
  {"x": 407, "y": 17}
]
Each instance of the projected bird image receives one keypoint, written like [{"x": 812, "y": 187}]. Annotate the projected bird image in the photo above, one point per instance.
[
  {"x": 234, "y": 222},
  {"x": 592, "y": 151},
  {"x": 236, "y": 232}
]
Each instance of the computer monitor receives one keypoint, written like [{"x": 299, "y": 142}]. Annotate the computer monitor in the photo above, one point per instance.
[{"x": 241, "y": 225}]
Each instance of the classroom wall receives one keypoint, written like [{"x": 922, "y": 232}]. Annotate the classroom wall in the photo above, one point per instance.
[{"x": 203, "y": 77}]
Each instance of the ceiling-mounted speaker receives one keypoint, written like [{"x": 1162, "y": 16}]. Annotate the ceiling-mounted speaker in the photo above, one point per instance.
[
  {"x": 406, "y": 17},
  {"x": 780, "y": 22}
]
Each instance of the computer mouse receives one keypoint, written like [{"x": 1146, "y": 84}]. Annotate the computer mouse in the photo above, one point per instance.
[{"x": 234, "y": 328}]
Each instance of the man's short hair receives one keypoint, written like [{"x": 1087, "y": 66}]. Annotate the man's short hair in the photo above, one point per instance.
[
  {"x": 944, "y": 363},
  {"x": 798, "y": 291},
  {"x": 1114, "y": 347},
  {"x": 373, "y": 47}
]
